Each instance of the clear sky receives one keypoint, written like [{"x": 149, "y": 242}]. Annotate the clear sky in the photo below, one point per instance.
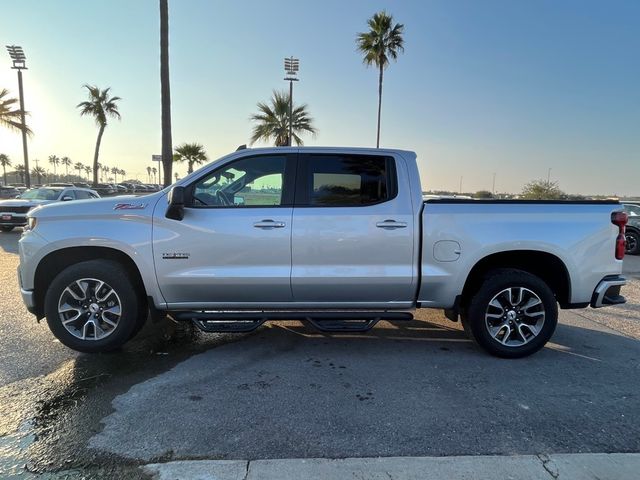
[{"x": 510, "y": 87}]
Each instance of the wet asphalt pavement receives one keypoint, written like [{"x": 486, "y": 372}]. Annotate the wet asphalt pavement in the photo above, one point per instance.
[{"x": 286, "y": 391}]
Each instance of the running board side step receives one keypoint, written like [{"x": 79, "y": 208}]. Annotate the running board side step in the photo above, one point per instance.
[{"x": 247, "y": 321}]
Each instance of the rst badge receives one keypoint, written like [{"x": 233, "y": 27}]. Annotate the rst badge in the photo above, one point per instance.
[
  {"x": 130, "y": 206},
  {"x": 175, "y": 256}
]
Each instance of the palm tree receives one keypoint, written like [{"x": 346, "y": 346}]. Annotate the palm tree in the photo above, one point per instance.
[
  {"x": 88, "y": 170},
  {"x": 122, "y": 174},
  {"x": 53, "y": 160},
  {"x": 66, "y": 161},
  {"x": 39, "y": 172},
  {"x": 149, "y": 174},
  {"x": 273, "y": 121},
  {"x": 115, "y": 172},
  {"x": 20, "y": 172},
  {"x": 100, "y": 106},
  {"x": 382, "y": 42},
  {"x": 10, "y": 115},
  {"x": 80, "y": 167},
  {"x": 165, "y": 92},
  {"x": 192, "y": 153},
  {"x": 5, "y": 162},
  {"x": 154, "y": 170}
]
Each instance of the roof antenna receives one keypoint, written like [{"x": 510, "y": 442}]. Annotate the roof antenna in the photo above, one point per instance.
[{"x": 242, "y": 147}]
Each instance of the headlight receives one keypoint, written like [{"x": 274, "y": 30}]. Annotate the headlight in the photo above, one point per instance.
[{"x": 31, "y": 223}]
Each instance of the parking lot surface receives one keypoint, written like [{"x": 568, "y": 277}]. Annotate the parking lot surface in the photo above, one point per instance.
[{"x": 286, "y": 391}]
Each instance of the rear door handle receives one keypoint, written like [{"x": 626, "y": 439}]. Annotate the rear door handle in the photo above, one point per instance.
[
  {"x": 269, "y": 224},
  {"x": 391, "y": 224}
]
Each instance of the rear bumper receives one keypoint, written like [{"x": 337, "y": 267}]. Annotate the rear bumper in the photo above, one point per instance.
[{"x": 608, "y": 292}]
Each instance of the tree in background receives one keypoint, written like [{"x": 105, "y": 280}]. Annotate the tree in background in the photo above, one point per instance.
[
  {"x": 149, "y": 174},
  {"x": 483, "y": 194},
  {"x": 80, "y": 167},
  {"x": 53, "y": 160},
  {"x": 273, "y": 121},
  {"x": 165, "y": 93},
  {"x": 87, "y": 170},
  {"x": 39, "y": 172},
  {"x": 100, "y": 106},
  {"x": 66, "y": 161},
  {"x": 154, "y": 170},
  {"x": 383, "y": 41},
  {"x": 542, "y": 190},
  {"x": 192, "y": 153},
  {"x": 20, "y": 172},
  {"x": 10, "y": 114},
  {"x": 5, "y": 162}
]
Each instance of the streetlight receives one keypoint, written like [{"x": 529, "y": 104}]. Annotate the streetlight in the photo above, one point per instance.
[
  {"x": 291, "y": 67},
  {"x": 19, "y": 63}
]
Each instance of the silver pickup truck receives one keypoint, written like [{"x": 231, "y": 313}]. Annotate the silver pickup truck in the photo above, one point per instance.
[{"x": 338, "y": 237}]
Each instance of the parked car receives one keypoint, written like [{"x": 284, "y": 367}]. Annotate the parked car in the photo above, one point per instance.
[
  {"x": 632, "y": 232},
  {"x": 61, "y": 184},
  {"x": 337, "y": 237},
  {"x": 13, "y": 213},
  {"x": 81, "y": 185},
  {"x": 105, "y": 189},
  {"x": 9, "y": 192}
]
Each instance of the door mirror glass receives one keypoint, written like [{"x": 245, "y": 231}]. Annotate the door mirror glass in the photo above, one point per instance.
[
  {"x": 175, "y": 198},
  {"x": 238, "y": 200},
  {"x": 66, "y": 198}
]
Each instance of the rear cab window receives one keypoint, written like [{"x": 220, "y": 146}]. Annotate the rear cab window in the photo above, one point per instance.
[{"x": 345, "y": 180}]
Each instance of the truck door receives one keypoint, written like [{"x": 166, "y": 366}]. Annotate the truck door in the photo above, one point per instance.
[
  {"x": 353, "y": 232},
  {"x": 233, "y": 246}
]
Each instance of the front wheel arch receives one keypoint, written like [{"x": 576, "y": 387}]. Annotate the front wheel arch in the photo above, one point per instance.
[{"x": 58, "y": 260}]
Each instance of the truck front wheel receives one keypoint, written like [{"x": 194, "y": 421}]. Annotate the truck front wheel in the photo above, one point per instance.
[
  {"x": 513, "y": 314},
  {"x": 92, "y": 306}
]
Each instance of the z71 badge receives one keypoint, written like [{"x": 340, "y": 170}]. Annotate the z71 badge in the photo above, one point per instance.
[{"x": 175, "y": 256}]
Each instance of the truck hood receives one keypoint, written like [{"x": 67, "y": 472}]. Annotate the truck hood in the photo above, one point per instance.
[
  {"x": 18, "y": 202},
  {"x": 108, "y": 207}
]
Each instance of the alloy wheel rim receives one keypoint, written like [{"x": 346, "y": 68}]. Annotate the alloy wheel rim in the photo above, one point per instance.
[
  {"x": 515, "y": 316},
  {"x": 632, "y": 243},
  {"x": 89, "y": 309}
]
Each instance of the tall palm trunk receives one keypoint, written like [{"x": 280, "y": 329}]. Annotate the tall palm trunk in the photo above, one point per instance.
[
  {"x": 379, "y": 105},
  {"x": 95, "y": 156},
  {"x": 165, "y": 93},
  {"x": 4, "y": 173}
]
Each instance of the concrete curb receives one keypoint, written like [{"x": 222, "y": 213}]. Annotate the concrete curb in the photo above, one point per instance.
[{"x": 591, "y": 466}]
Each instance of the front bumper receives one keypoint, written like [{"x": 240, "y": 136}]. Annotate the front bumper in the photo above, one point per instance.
[
  {"x": 608, "y": 292},
  {"x": 29, "y": 300}
]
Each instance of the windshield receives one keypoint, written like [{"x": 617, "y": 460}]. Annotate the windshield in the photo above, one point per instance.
[{"x": 41, "y": 194}]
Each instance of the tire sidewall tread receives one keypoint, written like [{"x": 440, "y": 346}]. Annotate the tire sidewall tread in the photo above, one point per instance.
[
  {"x": 496, "y": 281},
  {"x": 116, "y": 277}
]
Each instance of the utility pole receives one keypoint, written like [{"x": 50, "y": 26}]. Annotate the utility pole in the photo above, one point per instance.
[
  {"x": 460, "y": 184},
  {"x": 19, "y": 63},
  {"x": 493, "y": 190},
  {"x": 549, "y": 176},
  {"x": 291, "y": 67}
]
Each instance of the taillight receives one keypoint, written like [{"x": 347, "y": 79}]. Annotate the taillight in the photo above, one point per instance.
[{"x": 620, "y": 220}]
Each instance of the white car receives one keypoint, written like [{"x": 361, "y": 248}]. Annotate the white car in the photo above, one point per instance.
[{"x": 13, "y": 213}]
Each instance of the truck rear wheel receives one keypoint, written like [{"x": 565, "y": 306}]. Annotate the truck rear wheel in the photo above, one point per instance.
[
  {"x": 513, "y": 314},
  {"x": 92, "y": 306},
  {"x": 632, "y": 243}
]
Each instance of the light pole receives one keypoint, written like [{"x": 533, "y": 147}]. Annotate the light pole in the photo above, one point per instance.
[
  {"x": 460, "y": 184},
  {"x": 17, "y": 56},
  {"x": 494, "y": 184},
  {"x": 549, "y": 176},
  {"x": 291, "y": 67}
]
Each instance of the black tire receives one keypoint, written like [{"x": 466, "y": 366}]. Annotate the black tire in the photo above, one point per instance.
[
  {"x": 115, "y": 277},
  {"x": 531, "y": 288},
  {"x": 633, "y": 243},
  {"x": 7, "y": 228}
]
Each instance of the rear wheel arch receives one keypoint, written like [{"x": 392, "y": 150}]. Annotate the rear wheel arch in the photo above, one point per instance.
[
  {"x": 548, "y": 267},
  {"x": 53, "y": 263}
]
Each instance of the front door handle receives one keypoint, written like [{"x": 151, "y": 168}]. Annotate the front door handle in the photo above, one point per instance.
[
  {"x": 390, "y": 224},
  {"x": 269, "y": 224}
]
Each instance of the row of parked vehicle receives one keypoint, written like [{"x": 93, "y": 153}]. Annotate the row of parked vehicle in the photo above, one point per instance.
[
  {"x": 18, "y": 200},
  {"x": 104, "y": 189}
]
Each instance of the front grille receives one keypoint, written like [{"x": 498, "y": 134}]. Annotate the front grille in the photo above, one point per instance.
[{"x": 14, "y": 209}]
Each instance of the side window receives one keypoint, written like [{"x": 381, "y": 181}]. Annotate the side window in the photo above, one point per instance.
[
  {"x": 250, "y": 182},
  {"x": 633, "y": 210},
  {"x": 344, "y": 181},
  {"x": 82, "y": 195}
]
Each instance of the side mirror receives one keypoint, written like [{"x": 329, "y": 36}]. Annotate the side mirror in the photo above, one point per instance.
[
  {"x": 175, "y": 211},
  {"x": 237, "y": 200},
  {"x": 67, "y": 198}
]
